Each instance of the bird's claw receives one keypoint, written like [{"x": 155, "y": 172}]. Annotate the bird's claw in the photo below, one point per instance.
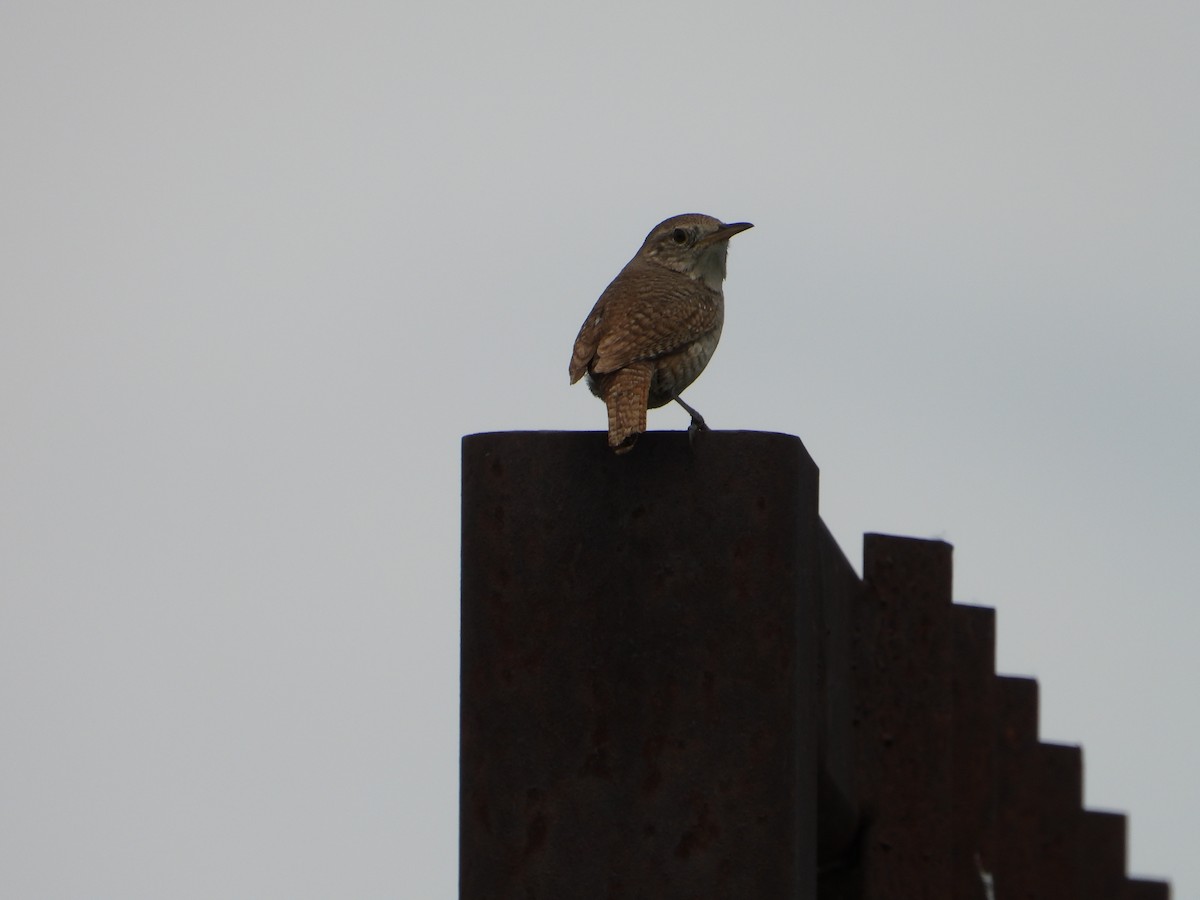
[{"x": 697, "y": 424}]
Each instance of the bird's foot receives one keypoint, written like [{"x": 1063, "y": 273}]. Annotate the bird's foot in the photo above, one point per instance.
[{"x": 697, "y": 424}]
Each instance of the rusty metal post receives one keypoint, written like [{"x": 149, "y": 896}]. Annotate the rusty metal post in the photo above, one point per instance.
[
  {"x": 1018, "y": 857},
  {"x": 1100, "y": 862},
  {"x": 1056, "y": 776},
  {"x": 973, "y": 773},
  {"x": 1048, "y": 845},
  {"x": 638, "y": 668},
  {"x": 839, "y": 816},
  {"x": 903, "y": 659},
  {"x": 1138, "y": 889}
]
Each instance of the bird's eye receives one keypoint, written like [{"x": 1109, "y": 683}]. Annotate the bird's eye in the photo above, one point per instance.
[{"x": 679, "y": 236}]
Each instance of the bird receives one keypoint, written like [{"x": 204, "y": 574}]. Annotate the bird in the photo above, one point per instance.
[{"x": 656, "y": 325}]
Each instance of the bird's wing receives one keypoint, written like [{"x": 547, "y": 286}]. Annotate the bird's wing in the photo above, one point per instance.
[
  {"x": 652, "y": 317},
  {"x": 587, "y": 341}
]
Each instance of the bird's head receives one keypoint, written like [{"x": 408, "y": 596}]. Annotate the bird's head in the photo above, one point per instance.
[{"x": 692, "y": 244}]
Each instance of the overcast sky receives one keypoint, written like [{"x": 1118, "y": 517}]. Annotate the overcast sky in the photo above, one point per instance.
[{"x": 265, "y": 263}]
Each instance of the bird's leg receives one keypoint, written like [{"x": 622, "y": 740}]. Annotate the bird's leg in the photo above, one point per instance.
[{"x": 697, "y": 425}]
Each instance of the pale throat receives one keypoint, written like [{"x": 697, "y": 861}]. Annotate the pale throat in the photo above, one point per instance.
[{"x": 710, "y": 267}]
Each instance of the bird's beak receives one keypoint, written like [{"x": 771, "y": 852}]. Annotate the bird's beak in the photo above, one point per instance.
[{"x": 724, "y": 233}]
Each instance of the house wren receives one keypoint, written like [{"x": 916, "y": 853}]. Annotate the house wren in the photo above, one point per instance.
[{"x": 655, "y": 327}]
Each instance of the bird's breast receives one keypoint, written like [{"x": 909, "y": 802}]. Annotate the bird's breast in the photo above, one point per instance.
[{"x": 674, "y": 371}]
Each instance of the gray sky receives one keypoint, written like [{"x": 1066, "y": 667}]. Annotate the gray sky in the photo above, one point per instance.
[{"x": 264, "y": 264}]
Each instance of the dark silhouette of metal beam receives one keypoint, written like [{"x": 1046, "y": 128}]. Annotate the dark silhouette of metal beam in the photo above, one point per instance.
[
  {"x": 675, "y": 686},
  {"x": 638, "y": 667}
]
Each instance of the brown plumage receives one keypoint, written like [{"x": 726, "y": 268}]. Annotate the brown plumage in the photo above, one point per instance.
[{"x": 655, "y": 327}]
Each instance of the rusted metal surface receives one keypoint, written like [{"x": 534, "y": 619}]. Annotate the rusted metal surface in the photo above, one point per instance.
[
  {"x": 637, "y": 704},
  {"x": 904, "y": 703},
  {"x": 1017, "y": 851},
  {"x": 973, "y": 771},
  {"x": 1137, "y": 889},
  {"x": 961, "y": 798},
  {"x": 675, "y": 686},
  {"x": 1055, "y": 777},
  {"x": 839, "y": 815},
  {"x": 1100, "y": 854}
]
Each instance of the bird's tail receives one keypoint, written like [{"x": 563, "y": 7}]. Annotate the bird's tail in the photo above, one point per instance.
[{"x": 626, "y": 393}]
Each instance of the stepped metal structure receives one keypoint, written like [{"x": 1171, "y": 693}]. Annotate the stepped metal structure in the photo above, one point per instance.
[{"x": 675, "y": 686}]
